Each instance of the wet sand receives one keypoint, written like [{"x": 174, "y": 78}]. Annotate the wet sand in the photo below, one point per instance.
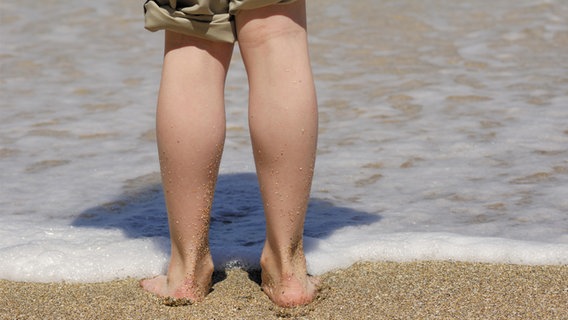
[{"x": 382, "y": 290}]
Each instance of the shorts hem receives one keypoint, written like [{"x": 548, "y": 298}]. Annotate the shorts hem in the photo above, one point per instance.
[{"x": 218, "y": 26}]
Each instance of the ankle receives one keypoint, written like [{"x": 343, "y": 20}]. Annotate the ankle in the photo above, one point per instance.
[
  {"x": 283, "y": 262},
  {"x": 285, "y": 280},
  {"x": 191, "y": 273}
]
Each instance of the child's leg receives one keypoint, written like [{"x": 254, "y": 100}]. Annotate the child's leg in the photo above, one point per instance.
[
  {"x": 190, "y": 129},
  {"x": 283, "y": 125}
]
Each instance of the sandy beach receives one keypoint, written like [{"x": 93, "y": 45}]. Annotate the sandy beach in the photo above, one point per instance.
[{"x": 379, "y": 290}]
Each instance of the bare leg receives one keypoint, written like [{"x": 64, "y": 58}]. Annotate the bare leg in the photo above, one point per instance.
[
  {"x": 283, "y": 125},
  {"x": 190, "y": 125}
]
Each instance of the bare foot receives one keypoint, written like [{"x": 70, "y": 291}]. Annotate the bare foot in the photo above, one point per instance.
[
  {"x": 287, "y": 283},
  {"x": 187, "y": 290},
  {"x": 291, "y": 291},
  {"x": 186, "y": 293}
]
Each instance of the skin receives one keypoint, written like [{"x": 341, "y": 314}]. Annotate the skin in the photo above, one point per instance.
[{"x": 283, "y": 126}]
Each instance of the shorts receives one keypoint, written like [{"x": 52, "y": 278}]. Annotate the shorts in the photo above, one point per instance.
[{"x": 207, "y": 19}]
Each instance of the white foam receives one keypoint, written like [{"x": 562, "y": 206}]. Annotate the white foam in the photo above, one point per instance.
[
  {"x": 93, "y": 255},
  {"x": 344, "y": 249},
  {"x": 59, "y": 253}
]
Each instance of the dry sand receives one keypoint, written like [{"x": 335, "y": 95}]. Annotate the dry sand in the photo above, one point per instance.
[{"x": 383, "y": 290}]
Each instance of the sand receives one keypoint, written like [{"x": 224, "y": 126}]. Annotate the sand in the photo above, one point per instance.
[{"x": 378, "y": 290}]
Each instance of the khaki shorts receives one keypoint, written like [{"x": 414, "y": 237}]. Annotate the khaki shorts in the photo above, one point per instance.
[{"x": 207, "y": 19}]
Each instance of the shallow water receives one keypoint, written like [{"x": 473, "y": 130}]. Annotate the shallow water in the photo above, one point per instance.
[{"x": 443, "y": 135}]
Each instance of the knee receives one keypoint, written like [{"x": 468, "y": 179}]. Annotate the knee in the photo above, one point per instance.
[{"x": 273, "y": 23}]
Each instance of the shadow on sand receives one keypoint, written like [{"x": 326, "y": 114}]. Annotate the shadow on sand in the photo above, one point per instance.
[{"x": 237, "y": 219}]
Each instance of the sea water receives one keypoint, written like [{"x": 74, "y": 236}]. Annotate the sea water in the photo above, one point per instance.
[{"x": 443, "y": 136}]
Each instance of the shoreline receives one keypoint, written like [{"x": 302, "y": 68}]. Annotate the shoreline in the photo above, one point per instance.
[{"x": 375, "y": 290}]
